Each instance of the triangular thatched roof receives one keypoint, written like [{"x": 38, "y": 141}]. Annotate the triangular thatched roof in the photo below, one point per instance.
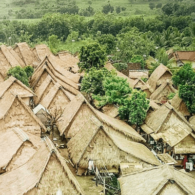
[
  {"x": 80, "y": 104},
  {"x": 184, "y": 55},
  {"x": 164, "y": 179},
  {"x": 160, "y": 74},
  {"x": 15, "y": 113},
  {"x": 168, "y": 124},
  {"x": 16, "y": 87},
  {"x": 44, "y": 173},
  {"x": 87, "y": 137}
]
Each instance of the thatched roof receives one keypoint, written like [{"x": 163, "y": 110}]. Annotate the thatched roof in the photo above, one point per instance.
[
  {"x": 75, "y": 106},
  {"x": 163, "y": 91},
  {"x": 13, "y": 147},
  {"x": 63, "y": 81},
  {"x": 138, "y": 74},
  {"x": 6, "y": 104},
  {"x": 184, "y": 55},
  {"x": 70, "y": 60},
  {"x": 25, "y": 53},
  {"x": 16, "y": 87},
  {"x": 166, "y": 158},
  {"x": 157, "y": 180},
  {"x": 53, "y": 94},
  {"x": 139, "y": 84},
  {"x": 154, "y": 105},
  {"x": 168, "y": 124},
  {"x": 1, "y": 76},
  {"x": 45, "y": 172},
  {"x": 78, "y": 145},
  {"x": 179, "y": 105},
  {"x": 109, "y": 67},
  {"x": 160, "y": 72},
  {"x": 110, "y": 110}
]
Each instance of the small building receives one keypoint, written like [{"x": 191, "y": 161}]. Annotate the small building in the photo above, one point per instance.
[
  {"x": 14, "y": 113},
  {"x": 26, "y": 54},
  {"x": 160, "y": 95},
  {"x": 46, "y": 172},
  {"x": 94, "y": 142},
  {"x": 16, "y": 87},
  {"x": 160, "y": 74},
  {"x": 79, "y": 111},
  {"x": 161, "y": 180},
  {"x": 179, "y": 105}
]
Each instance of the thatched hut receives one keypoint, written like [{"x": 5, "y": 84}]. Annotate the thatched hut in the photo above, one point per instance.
[
  {"x": 16, "y": 87},
  {"x": 135, "y": 74},
  {"x": 45, "y": 173},
  {"x": 94, "y": 142},
  {"x": 179, "y": 105},
  {"x": 70, "y": 61},
  {"x": 159, "y": 180},
  {"x": 168, "y": 124},
  {"x": 160, "y": 74},
  {"x": 39, "y": 77},
  {"x": 162, "y": 92},
  {"x": 79, "y": 111},
  {"x": 25, "y": 53},
  {"x": 14, "y": 113},
  {"x": 16, "y": 148}
]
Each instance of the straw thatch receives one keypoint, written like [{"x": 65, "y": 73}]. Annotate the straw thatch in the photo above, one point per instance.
[
  {"x": 110, "y": 110},
  {"x": 15, "y": 114},
  {"x": 168, "y": 124},
  {"x": 16, "y": 87},
  {"x": 39, "y": 77},
  {"x": 184, "y": 55},
  {"x": 127, "y": 168},
  {"x": 162, "y": 92},
  {"x": 44, "y": 173},
  {"x": 119, "y": 74},
  {"x": 154, "y": 105},
  {"x": 1, "y": 75},
  {"x": 56, "y": 98},
  {"x": 94, "y": 142},
  {"x": 25, "y": 53},
  {"x": 16, "y": 148},
  {"x": 158, "y": 180},
  {"x": 166, "y": 158},
  {"x": 138, "y": 74},
  {"x": 179, "y": 105},
  {"x": 41, "y": 113},
  {"x": 80, "y": 111},
  {"x": 70, "y": 61},
  {"x": 160, "y": 74}
]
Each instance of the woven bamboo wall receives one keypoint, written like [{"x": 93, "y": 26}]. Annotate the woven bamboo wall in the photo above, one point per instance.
[
  {"x": 18, "y": 117},
  {"x": 54, "y": 178}
]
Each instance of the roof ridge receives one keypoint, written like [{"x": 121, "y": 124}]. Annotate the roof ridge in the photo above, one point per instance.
[{"x": 21, "y": 134}]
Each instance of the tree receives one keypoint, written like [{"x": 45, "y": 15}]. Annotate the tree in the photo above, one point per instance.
[
  {"x": 92, "y": 55},
  {"x": 29, "y": 71},
  {"x": 134, "y": 108},
  {"x": 118, "y": 9},
  {"x": 138, "y": 59},
  {"x": 53, "y": 43},
  {"x": 159, "y": 5},
  {"x": 151, "y": 5},
  {"x": 107, "y": 8},
  {"x": 19, "y": 73},
  {"x": 116, "y": 90}
]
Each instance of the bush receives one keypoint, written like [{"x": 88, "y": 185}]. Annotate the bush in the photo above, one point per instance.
[
  {"x": 171, "y": 96},
  {"x": 120, "y": 66},
  {"x": 138, "y": 59}
]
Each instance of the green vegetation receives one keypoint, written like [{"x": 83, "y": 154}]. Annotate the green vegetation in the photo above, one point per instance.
[
  {"x": 138, "y": 59},
  {"x": 171, "y": 96},
  {"x": 22, "y": 74}
]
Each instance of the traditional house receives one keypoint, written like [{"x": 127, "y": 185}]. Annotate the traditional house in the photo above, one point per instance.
[
  {"x": 79, "y": 111},
  {"x": 15, "y": 114},
  {"x": 179, "y": 58},
  {"x": 45, "y": 173},
  {"x": 39, "y": 77},
  {"x": 160, "y": 74},
  {"x": 170, "y": 130},
  {"x": 26, "y": 54},
  {"x": 161, "y": 180},
  {"x": 16, "y": 148},
  {"x": 16, "y": 87},
  {"x": 7, "y": 61},
  {"x": 93, "y": 142},
  {"x": 70, "y": 60},
  {"x": 179, "y": 105},
  {"x": 160, "y": 95}
]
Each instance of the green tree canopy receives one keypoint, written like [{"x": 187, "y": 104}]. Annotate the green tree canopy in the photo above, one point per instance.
[{"x": 92, "y": 55}]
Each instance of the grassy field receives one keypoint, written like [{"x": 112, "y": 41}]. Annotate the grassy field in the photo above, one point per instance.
[{"x": 137, "y": 8}]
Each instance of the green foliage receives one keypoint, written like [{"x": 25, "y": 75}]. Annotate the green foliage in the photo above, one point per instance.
[
  {"x": 162, "y": 56},
  {"x": 120, "y": 66},
  {"x": 134, "y": 108},
  {"x": 20, "y": 74},
  {"x": 107, "y": 9},
  {"x": 138, "y": 59},
  {"x": 92, "y": 83},
  {"x": 53, "y": 43},
  {"x": 183, "y": 76},
  {"x": 73, "y": 36},
  {"x": 171, "y": 96},
  {"x": 152, "y": 5},
  {"x": 29, "y": 71},
  {"x": 92, "y": 55},
  {"x": 144, "y": 79},
  {"x": 116, "y": 90}
]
